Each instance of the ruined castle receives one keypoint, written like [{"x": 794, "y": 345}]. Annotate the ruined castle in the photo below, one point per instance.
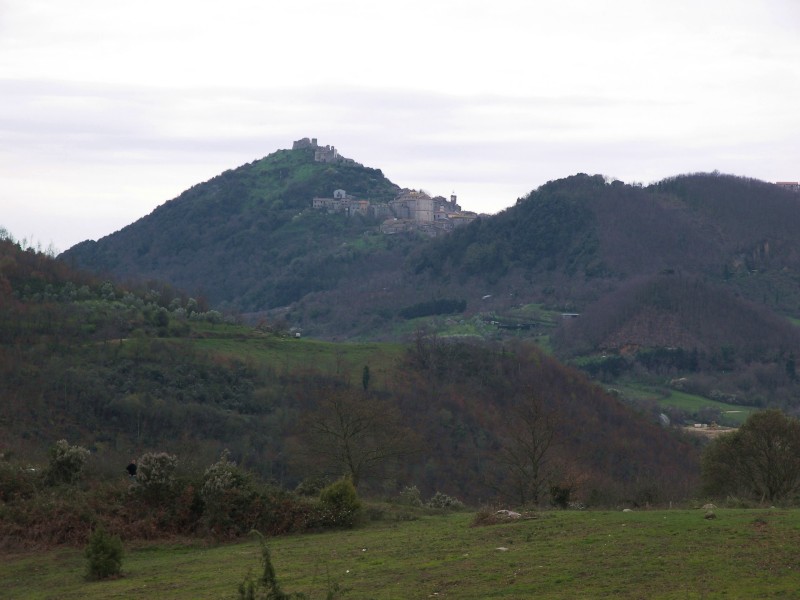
[{"x": 325, "y": 154}]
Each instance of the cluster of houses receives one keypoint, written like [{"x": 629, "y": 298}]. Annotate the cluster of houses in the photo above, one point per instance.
[{"x": 410, "y": 210}]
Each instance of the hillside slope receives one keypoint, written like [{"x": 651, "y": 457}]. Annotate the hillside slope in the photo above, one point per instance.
[
  {"x": 248, "y": 238},
  {"x": 124, "y": 371},
  {"x": 575, "y": 238}
]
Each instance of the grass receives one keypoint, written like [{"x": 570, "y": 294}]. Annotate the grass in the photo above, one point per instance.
[
  {"x": 288, "y": 354},
  {"x": 733, "y": 414},
  {"x": 647, "y": 554}
]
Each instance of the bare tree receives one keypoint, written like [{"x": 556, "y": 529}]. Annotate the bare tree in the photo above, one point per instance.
[
  {"x": 526, "y": 442},
  {"x": 355, "y": 434}
]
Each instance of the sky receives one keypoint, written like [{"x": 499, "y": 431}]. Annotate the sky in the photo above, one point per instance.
[{"x": 108, "y": 109}]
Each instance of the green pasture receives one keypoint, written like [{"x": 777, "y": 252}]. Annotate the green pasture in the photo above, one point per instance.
[
  {"x": 557, "y": 555},
  {"x": 733, "y": 414},
  {"x": 288, "y": 354}
]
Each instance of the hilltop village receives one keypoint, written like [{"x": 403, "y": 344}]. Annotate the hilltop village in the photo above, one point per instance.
[{"x": 410, "y": 210}]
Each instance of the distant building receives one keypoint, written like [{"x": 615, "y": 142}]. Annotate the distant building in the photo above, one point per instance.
[
  {"x": 410, "y": 210},
  {"x": 304, "y": 143},
  {"x": 391, "y": 226},
  {"x": 324, "y": 154},
  {"x": 342, "y": 202},
  {"x": 792, "y": 186},
  {"x": 327, "y": 154}
]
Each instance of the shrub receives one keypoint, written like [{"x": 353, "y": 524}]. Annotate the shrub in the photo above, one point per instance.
[
  {"x": 231, "y": 504},
  {"x": 221, "y": 477},
  {"x": 16, "y": 482},
  {"x": 484, "y": 516},
  {"x": 66, "y": 462},
  {"x": 104, "y": 554},
  {"x": 311, "y": 486},
  {"x": 156, "y": 474},
  {"x": 440, "y": 500},
  {"x": 339, "y": 504},
  {"x": 410, "y": 496},
  {"x": 560, "y": 496}
]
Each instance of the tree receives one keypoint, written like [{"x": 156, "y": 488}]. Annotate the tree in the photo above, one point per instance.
[
  {"x": 365, "y": 378},
  {"x": 526, "y": 441},
  {"x": 355, "y": 434},
  {"x": 759, "y": 460}
]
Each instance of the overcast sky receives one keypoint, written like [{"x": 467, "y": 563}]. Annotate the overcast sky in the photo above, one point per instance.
[{"x": 109, "y": 109}]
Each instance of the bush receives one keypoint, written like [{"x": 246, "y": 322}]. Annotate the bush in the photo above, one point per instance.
[
  {"x": 311, "y": 486},
  {"x": 221, "y": 477},
  {"x": 66, "y": 462},
  {"x": 560, "y": 496},
  {"x": 440, "y": 500},
  {"x": 16, "y": 482},
  {"x": 104, "y": 554},
  {"x": 339, "y": 504},
  {"x": 410, "y": 496},
  {"x": 156, "y": 474},
  {"x": 231, "y": 504}
]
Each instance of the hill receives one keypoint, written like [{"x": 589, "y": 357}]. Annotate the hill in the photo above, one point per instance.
[
  {"x": 576, "y": 238},
  {"x": 687, "y": 335},
  {"x": 248, "y": 238},
  {"x": 123, "y": 371},
  {"x": 688, "y": 280}
]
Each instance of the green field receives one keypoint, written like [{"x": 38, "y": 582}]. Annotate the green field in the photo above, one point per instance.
[
  {"x": 733, "y": 414},
  {"x": 559, "y": 554},
  {"x": 287, "y": 354}
]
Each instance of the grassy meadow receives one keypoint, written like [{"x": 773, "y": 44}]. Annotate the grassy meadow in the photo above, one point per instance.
[
  {"x": 743, "y": 553},
  {"x": 732, "y": 414},
  {"x": 288, "y": 354}
]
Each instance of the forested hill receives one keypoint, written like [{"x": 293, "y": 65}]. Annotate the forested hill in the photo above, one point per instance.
[
  {"x": 123, "y": 372},
  {"x": 574, "y": 237},
  {"x": 247, "y": 238}
]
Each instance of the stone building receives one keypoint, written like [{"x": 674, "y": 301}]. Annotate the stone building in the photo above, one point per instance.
[{"x": 792, "y": 186}]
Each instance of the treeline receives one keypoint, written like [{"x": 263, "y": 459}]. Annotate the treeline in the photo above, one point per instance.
[{"x": 441, "y": 306}]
